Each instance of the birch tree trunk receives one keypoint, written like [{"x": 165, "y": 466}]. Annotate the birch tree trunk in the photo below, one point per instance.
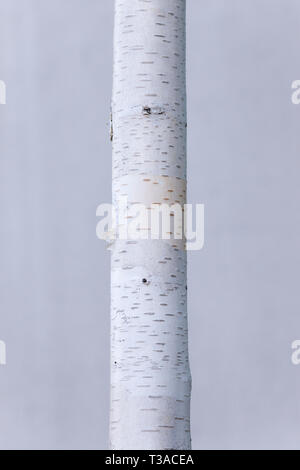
[{"x": 150, "y": 377}]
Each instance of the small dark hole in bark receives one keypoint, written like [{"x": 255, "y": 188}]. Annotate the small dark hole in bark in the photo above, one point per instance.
[
  {"x": 115, "y": 362},
  {"x": 147, "y": 110},
  {"x": 185, "y": 287},
  {"x": 144, "y": 281}
]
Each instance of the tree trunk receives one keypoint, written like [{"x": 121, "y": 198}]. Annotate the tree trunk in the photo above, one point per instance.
[{"x": 150, "y": 377}]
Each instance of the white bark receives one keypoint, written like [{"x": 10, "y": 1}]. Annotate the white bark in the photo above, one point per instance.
[{"x": 151, "y": 384}]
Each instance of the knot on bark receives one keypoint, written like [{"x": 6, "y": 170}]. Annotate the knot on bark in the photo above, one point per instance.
[{"x": 147, "y": 110}]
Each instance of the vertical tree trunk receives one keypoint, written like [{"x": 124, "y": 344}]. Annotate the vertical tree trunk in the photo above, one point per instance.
[{"x": 151, "y": 384}]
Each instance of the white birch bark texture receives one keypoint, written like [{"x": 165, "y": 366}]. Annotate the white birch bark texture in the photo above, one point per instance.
[{"x": 150, "y": 378}]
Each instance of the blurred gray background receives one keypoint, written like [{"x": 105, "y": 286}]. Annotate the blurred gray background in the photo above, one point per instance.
[{"x": 55, "y": 168}]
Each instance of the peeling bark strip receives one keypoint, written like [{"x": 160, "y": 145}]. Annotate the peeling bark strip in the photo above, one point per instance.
[{"x": 150, "y": 378}]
